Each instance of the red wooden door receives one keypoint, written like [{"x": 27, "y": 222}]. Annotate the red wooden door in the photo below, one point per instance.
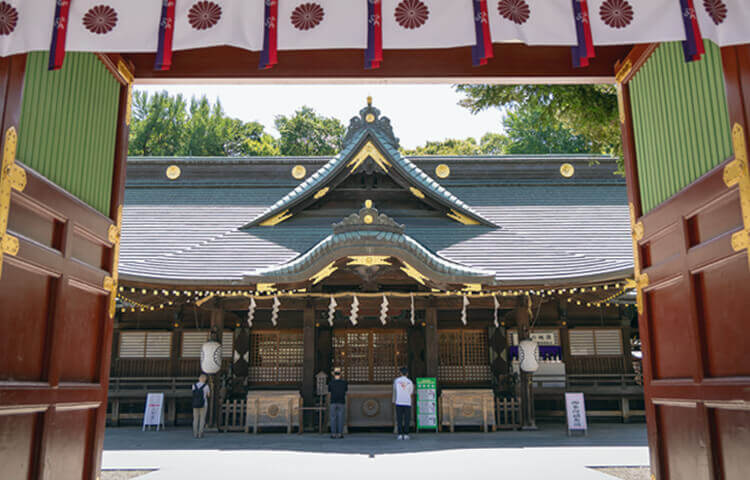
[
  {"x": 693, "y": 276},
  {"x": 57, "y": 287}
]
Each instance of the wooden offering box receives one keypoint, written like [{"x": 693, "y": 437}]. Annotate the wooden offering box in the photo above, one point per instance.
[
  {"x": 468, "y": 408},
  {"x": 370, "y": 406},
  {"x": 280, "y": 408}
]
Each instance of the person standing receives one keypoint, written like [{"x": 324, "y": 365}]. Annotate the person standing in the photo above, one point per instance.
[
  {"x": 402, "y": 392},
  {"x": 201, "y": 392},
  {"x": 337, "y": 388}
]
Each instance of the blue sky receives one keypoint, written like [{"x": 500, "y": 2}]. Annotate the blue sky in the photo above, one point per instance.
[{"x": 418, "y": 113}]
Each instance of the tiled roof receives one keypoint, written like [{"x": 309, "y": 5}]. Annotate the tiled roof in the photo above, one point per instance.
[{"x": 552, "y": 231}]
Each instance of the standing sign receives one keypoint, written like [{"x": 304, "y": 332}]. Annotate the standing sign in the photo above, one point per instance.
[
  {"x": 575, "y": 408},
  {"x": 154, "y": 414},
  {"x": 427, "y": 403}
]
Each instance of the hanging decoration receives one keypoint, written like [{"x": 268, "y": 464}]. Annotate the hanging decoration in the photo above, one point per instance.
[
  {"x": 528, "y": 355},
  {"x": 211, "y": 357},
  {"x": 497, "y": 310},
  {"x": 269, "y": 54},
  {"x": 411, "y": 316},
  {"x": 693, "y": 44},
  {"x": 584, "y": 50},
  {"x": 464, "y": 320},
  {"x": 251, "y": 312},
  {"x": 59, "y": 34},
  {"x": 482, "y": 50},
  {"x": 354, "y": 311},
  {"x": 275, "y": 311},
  {"x": 374, "y": 52},
  {"x": 332, "y": 310},
  {"x": 384, "y": 310},
  {"x": 166, "y": 36}
]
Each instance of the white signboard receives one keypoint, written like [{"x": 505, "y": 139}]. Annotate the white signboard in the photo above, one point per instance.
[
  {"x": 154, "y": 414},
  {"x": 576, "y": 412}
]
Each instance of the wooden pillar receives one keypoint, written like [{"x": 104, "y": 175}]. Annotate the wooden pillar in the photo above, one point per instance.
[
  {"x": 308, "y": 365},
  {"x": 431, "y": 342},
  {"x": 217, "y": 328},
  {"x": 523, "y": 319}
]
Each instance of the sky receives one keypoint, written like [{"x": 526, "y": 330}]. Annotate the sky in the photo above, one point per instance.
[{"x": 418, "y": 113}]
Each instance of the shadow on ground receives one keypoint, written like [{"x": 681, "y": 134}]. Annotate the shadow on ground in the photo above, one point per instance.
[{"x": 367, "y": 443}]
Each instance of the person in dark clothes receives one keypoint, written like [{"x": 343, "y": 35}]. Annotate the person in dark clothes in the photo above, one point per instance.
[{"x": 337, "y": 388}]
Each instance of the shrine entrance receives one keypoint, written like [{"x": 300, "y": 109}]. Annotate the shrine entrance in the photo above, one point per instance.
[{"x": 61, "y": 196}]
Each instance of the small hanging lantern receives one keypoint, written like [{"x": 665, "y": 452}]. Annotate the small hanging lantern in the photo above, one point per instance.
[
  {"x": 211, "y": 357},
  {"x": 528, "y": 355}
]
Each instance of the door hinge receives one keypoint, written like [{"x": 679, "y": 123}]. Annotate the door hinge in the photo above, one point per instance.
[
  {"x": 738, "y": 173},
  {"x": 12, "y": 177}
]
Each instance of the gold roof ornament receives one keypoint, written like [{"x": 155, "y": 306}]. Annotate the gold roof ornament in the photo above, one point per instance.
[
  {"x": 369, "y": 100},
  {"x": 173, "y": 172},
  {"x": 324, "y": 273},
  {"x": 443, "y": 171},
  {"x": 416, "y": 192},
  {"x": 276, "y": 219},
  {"x": 368, "y": 260},
  {"x": 369, "y": 151},
  {"x": 321, "y": 193},
  {"x": 299, "y": 172},
  {"x": 567, "y": 170},
  {"x": 413, "y": 273}
]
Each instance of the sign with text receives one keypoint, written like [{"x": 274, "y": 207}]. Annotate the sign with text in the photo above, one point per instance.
[
  {"x": 575, "y": 408},
  {"x": 427, "y": 403},
  {"x": 154, "y": 411}
]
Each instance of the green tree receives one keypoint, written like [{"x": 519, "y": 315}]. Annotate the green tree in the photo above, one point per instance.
[
  {"x": 164, "y": 125},
  {"x": 588, "y": 111},
  {"x": 158, "y": 124},
  {"x": 307, "y": 133},
  {"x": 447, "y": 147},
  {"x": 528, "y": 131}
]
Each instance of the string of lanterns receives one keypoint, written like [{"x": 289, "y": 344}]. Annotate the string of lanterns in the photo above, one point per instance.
[{"x": 197, "y": 295}]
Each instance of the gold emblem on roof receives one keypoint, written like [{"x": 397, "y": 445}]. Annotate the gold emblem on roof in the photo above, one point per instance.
[
  {"x": 299, "y": 172},
  {"x": 416, "y": 192},
  {"x": 276, "y": 219},
  {"x": 369, "y": 151},
  {"x": 368, "y": 219},
  {"x": 368, "y": 260},
  {"x": 173, "y": 172},
  {"x": 413, "y": 273},
  {"x": 321, "y": 193},
  {"x": 369, "y": 118},
  {"x": 443, "y": 171},
  {"x": 461, "y": 218},
  {"x": 323, "y": 274},
  {"x": 567, "y": 170}
]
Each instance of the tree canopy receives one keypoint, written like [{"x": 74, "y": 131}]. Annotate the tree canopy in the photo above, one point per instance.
[
  {"x": 588, "y": 112},
  {"x": 166, "y": 125},
  {"x": 307, "y": 133}
]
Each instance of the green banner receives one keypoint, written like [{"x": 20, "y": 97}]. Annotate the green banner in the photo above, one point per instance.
[{"x": 427, "y": 403}]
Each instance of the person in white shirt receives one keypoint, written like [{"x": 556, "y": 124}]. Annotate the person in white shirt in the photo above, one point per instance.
[
  {"x": 201, "y": 392},
  {"x": 403, "y": 388}
]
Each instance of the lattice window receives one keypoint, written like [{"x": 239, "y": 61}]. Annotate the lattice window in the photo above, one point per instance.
[
  {"x": 463, "y": 356},
  {"x": 595, "y": 342},
  {"x": 276, "y": 357},
  {"x": 192, "y": 342},
  {"x": 142, "y": 344},
  {"x": 369, "y": 356}
]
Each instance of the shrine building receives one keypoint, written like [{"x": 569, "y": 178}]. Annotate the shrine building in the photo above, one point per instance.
[{"x": 370, "y": 261}]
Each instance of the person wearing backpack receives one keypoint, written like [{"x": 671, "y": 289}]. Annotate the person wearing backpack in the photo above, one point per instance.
[{"x": 201, "y": 392}]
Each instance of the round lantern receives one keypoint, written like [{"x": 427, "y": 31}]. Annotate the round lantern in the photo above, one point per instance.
[
  {"x": 211, "y": 357},
  {"x": 528, "y": 355}
]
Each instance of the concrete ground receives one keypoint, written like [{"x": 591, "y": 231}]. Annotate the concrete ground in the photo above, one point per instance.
[{"x": 542, "y": 454}]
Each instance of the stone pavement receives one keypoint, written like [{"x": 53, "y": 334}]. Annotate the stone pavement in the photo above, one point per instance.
[{"x": 547, "y": 453}]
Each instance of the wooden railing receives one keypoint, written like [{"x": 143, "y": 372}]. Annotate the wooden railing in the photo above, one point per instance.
[{"x": 603, "y": 383}]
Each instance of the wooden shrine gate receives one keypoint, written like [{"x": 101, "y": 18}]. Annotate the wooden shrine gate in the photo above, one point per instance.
[
  {"x": 686, "y": 161},
  {"x": 689, "y": 188},
  {"x": 58, "y": 259}
]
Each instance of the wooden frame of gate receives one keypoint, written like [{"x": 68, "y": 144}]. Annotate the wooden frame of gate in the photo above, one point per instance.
[
  {"x": 692, "y": 272},
  {"x": 55, "y": 401},
  {"x": 62, "y": 256}
]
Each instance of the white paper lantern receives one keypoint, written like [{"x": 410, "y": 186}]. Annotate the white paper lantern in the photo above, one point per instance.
[
  {"x": 211, "y": 357},
  {"x": 528, "y": 355}
]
